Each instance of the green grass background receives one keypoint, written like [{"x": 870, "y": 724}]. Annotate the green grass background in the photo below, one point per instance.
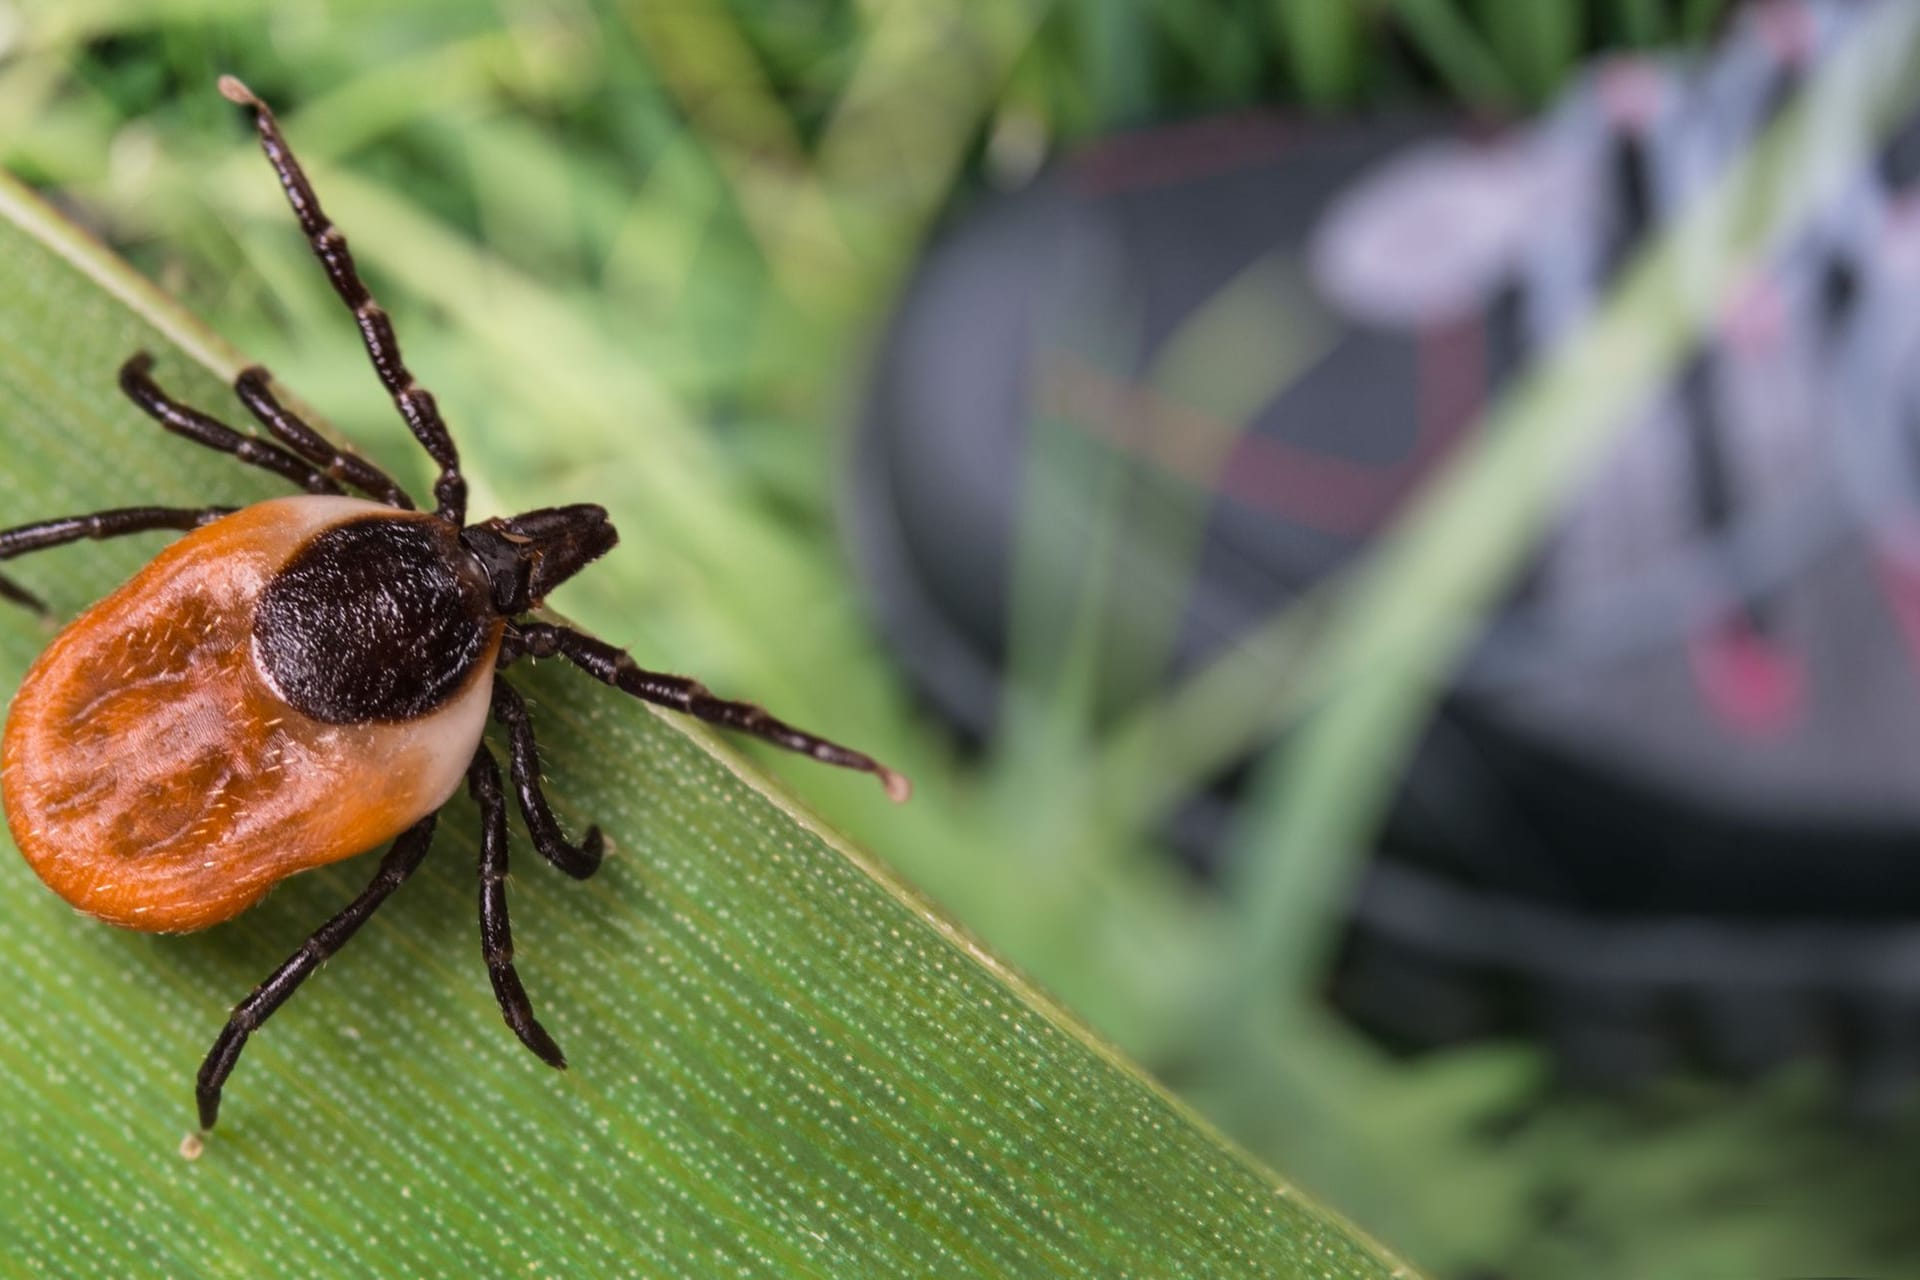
[{"x": 640, "y": 251}]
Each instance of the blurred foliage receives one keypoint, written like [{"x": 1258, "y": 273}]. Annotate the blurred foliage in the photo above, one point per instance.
[{"x": 640, "y": 249}]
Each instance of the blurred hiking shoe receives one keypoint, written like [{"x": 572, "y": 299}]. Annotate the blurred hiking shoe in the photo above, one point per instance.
[{"x": 1671, "y": 809}]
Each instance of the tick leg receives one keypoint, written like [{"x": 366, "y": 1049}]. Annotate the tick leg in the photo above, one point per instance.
[
  {"x": 203, "y": 430},
  {"x": 496, "y": 933},
  {"x": 416, "y": 403},
  {"x": 402, "y": 860},
  {"x": 255, "y": 391},
  {"x": 523, "y": 765},
  {"x": 101, "y": 524},
  {"x": 17, "y": 594},
  {"x": 612, "y": 666}
]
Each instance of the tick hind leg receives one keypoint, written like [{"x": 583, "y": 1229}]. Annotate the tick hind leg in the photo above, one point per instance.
[
  {"x": 613, "y": 666},
  {"x": 39, "y": 536},
  {"x": 402, "y": 860},
  {"x": 415, "y": 403},
  {"x": 523, "y": 764},
  {"x": 496, "y": 932}
]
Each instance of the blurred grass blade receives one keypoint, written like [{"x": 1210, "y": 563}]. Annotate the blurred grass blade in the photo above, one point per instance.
[
  {"x": 706, "y": 60},
  {"x": 1645, "y": 22},
  {"x": 783, "y": 1063},
  {"x": 1324, "y": 41},
  {"x": 1538, "y": 44},
  {"x": 1698, "y": 17},
  {"x": 1471, "y": 70}
]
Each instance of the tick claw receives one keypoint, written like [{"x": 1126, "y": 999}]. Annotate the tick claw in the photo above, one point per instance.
[{"x": 236, "y": 92}]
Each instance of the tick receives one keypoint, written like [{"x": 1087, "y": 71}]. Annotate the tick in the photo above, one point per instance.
[{"x": 301, "y": 680}]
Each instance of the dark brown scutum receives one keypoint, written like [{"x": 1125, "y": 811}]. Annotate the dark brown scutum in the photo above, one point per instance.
[{"x": 373, "y": 621}]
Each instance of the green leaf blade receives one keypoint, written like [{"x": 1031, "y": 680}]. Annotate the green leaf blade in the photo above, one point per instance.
[{"x": 783, "y": 1064}]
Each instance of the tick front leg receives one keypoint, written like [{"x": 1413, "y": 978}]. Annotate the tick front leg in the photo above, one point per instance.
[
  {"x": 496, "y": 933},
  {"x": 612, "y": 666},
  {"x": 415, "y": 403},
  {"x": 523, "y": 764},
  {"x": 402, "y": 860}
]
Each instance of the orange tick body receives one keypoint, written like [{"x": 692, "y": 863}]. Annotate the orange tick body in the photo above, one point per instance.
[
  {"x": 159, "y": 773},
  {"x": 301, "y": 680}
]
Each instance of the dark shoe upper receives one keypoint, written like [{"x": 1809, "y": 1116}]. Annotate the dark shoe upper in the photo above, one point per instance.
[{"x": 1703, "y": 702}]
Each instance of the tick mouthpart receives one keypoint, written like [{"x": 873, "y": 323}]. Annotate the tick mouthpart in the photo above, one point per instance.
[{"x": 528, "y": 555}]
